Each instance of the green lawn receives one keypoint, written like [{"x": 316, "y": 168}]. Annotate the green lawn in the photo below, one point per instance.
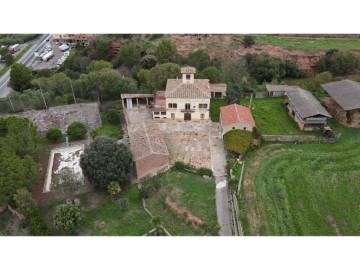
[
  {"x": 303, "y": 189},
  {"x": 5, "y": 69},
  {"x": 302, "y": 43},
  {"x": 107, "y": 129},
  {"x": 272, "y": 119},
  {"x": 133, "y": 222},
  {"x": 215, "y": 105},
  {"x": 190, "y": 191}
]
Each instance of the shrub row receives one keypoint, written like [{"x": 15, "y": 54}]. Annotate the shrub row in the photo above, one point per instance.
[{"x": 179, "y": 165}]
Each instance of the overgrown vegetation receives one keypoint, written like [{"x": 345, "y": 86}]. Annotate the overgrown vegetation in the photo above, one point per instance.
[
  {"x": 238, "y": 141},
  {"x": 215, "y": 105}
]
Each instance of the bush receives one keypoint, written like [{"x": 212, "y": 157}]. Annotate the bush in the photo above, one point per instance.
[
  {"x": 256, "y": 133},
  {"x": 238, "y": 141},
  {"x": 76, "y": 131},
  {"x": 248, "y": 41},
  {"x": 179, "y": 165},
  {"x": 68, "y": 217},
  {"x": 37, "y": 225},
  {"x": 114, "y": 188},
  {"x": 53, "y": 135},
  {"x": 205, "y": 171},
  {"x": 113, "y": 116},
  {"x": 123, "y": 204},
  {"x": 144, "y": 193}
]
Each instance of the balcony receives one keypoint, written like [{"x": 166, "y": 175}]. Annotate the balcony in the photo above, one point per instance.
[{"x": 187, "y": 110}]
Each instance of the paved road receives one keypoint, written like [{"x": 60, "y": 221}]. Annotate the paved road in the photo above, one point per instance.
[
  {"x": 26, "y": 59},
  {"x": 218, "y": 160}
]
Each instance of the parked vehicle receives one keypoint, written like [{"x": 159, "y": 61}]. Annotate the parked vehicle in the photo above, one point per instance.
[
  {"x": 47, "y": 56},
  {"x": 64, "y": 47},
  {"x": 14, "y": 48}
]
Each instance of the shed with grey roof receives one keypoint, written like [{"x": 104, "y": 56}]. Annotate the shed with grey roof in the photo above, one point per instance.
[{"x": 306, "y": 109}]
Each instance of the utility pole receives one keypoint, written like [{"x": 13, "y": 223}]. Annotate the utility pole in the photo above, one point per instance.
[
  {"x": 42, "y": 95},
  {"x": 72, "y": 89},
  {"x": 251, "y": 97}
]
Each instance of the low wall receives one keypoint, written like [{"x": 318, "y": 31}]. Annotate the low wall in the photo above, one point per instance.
[{"x": 289, "y": 138}]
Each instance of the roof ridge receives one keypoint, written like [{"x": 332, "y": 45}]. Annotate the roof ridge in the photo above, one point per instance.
[{"x": 147, "y": 136}]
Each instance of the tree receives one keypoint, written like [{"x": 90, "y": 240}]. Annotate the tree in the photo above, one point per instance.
[
  {"x": 264, "y": 67},
  {"x": 103, "y": 50},
  {"x": 210, "y": 73},
  {"x": 160, "y": 74},
  {"x": 148, "y": 61},
  {"x": 292, "y": 71},
  {"x": 338, "y": 62},
  {"x": 6, "y": 56},
  {"x": 199, "y": 59},
  {"x": 76, "y": 131},
  {"x": 20, "y": 77},
  {"x": 145, "y": 79},
  {"x": 235, "y": 71},
  {"x": 235, "y": 92},
  {"x": 53, "y": 135},
  {"x": 24, "y": 202},
  {"x": 114, "y": 188},
  {"x": 128, "y": 56},
  {"x": 105, "y": 160},
  {"x": 248, "y": 41},
  {"x": 165, "y": 51},
  {"x": 9, "y": 59},
  {"x": 67, "y": 182},
  {"x": 98, "y": 65},
  {"x": 15, "y": 173},
  {"x": 68, "y": 217},
  {"x": 113, "y": 117}
]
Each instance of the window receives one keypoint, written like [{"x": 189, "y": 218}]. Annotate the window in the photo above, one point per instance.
[
  {"x": 156, "y": 113},
  {"x": 163, "y": 113},
  {"x": 233, "y": 128},
  {"x": 187, "y": 106},
  {"x": 244, "y": 128},
  {"x": 188, "y": 76},
  {"x": 172, "y": 105},
  {"x": 202, "y": 116},
  {"x": 203, "y": 106},
  {"x": 173, "y": 116}
]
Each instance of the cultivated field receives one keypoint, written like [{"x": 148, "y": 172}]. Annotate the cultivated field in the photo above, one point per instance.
[
  {"x": 303, "y": 189},
  {"x": 309, "y": 43}
]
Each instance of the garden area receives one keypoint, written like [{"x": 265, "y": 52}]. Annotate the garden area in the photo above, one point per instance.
[
  {"x": 185, "y": 201},
  {"x": 215, "y": 105},
  {"x": 303, "y": 189},
  {"x": 121, "y": 215},
  {"x": 272, "y": 119}
]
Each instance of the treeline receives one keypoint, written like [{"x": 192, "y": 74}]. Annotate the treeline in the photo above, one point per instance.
[{"x": 11, "y": 39}]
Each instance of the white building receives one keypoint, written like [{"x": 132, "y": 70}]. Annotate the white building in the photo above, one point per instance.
[{"x": 184, "y": 99}]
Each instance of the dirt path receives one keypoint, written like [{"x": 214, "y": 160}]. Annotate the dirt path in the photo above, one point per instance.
[{"x": 255, "y": 210}]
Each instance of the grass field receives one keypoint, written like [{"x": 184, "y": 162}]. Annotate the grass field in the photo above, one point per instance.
[
  {"x": 301, "y": 43},
  {"x": 272, "y": 119},
  {"x": 108, "y": 129},
  {"x": 303, "y": 189},
  {"x": 215, "y": 105},
  {"x": 5, "y": 69},
  {"x": 189, "y": 191},
  {"x": 102, "y": 209}
]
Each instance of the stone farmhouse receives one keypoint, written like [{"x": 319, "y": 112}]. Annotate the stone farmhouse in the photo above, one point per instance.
[
  {"x": 186, "y": 99},
  {"x": 344, "y": 102},
  {"x": 234, "y": 117},
  {"x": 149, "y": 150}
]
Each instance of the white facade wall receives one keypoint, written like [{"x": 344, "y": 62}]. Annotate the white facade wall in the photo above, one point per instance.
[
  {"x": 194, "y": 105},
  {"x": 240, "y": 126}
]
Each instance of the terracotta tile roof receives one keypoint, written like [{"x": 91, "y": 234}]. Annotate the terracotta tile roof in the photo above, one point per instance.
[
  {"x": 160, "y": 102},
  {"x": 188, "y": 70},
  {"x": 236, "y": 113},
  {"x": 146, "y": 139},
  {"x": 346, "y": 93},
  {"x": 175, "y": 88}
]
